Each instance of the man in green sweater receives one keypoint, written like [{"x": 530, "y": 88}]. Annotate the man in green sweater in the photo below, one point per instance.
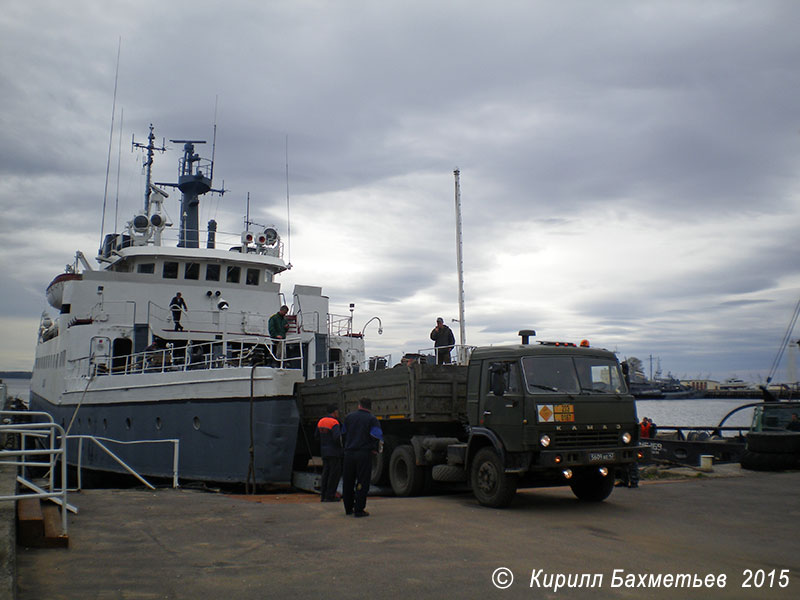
[{"x": 278, "y": 326}]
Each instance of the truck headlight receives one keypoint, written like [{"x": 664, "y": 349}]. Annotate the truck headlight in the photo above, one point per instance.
[
  {"x": 626, "y": 438},
  {"x": 544, "y": 441}
]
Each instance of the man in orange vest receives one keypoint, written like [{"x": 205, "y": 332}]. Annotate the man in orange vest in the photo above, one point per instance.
[
  {"x": 644, "y": 428},
  {"x": 329, "y": 434}
]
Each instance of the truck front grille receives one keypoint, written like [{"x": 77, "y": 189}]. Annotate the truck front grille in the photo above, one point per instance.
[{"x": 583, "y": 439}]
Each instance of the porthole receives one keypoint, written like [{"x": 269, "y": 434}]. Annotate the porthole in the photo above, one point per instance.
[
  {"x": 105, "y": 424},
  {"x": 158, "y": 423},
  {"x": 128, "y": 423},
  {"x": 196, "y": 423}
]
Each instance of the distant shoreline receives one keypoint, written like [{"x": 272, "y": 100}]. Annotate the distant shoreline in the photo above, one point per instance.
[{"x": 15, "y": 374}]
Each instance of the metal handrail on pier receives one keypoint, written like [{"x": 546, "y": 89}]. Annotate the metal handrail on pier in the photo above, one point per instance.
[
  {"x": 55, "y": 449},
  {"x": 28, "y": 458},
  {"x": 97, "y": 440}
]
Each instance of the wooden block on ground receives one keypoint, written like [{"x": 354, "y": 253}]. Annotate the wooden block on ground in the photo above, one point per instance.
[
  {"x": 39, "y": 525},
  {"x": 30, "y": 522},
  {"x": 54, "y": 536}
]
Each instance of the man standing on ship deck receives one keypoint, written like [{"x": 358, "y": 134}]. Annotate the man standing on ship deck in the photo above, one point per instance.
[
  {"x": 175, "y": 305},
  {"x": 278, "y": 326}
]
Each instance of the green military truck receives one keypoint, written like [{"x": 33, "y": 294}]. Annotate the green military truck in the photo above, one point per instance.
[{"x": 527, "y": 415}]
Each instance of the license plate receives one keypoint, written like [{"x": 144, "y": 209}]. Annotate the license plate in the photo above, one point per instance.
[{"x": 601, "y": 456}]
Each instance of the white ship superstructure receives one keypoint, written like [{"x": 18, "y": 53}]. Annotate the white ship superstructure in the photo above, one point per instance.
[{"x": 114, "y": 363}]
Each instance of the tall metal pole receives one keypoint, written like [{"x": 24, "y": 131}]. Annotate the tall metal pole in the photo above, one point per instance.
[{"x": 460, "y": 265}]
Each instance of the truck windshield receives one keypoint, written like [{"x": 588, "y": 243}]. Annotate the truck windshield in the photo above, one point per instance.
[
  {"x": 572, "y": 375},
  {"x": 547, "y": 374},
  {"x": 599, "y": 375}
]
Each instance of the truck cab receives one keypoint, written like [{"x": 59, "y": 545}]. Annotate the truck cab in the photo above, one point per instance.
[{"x": 550, "y": 413}]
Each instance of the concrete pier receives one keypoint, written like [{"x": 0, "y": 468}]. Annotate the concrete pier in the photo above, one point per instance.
[{"x": 187, "y": 544}]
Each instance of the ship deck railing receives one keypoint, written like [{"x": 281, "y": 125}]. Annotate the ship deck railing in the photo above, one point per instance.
[
  {"x": 281, "y": 354},
  {"x": 699, "y": 433}
]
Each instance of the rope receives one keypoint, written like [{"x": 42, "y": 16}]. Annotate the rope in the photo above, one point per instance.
[
  {"x": 250, "y": 483},
  {"x": 784, "y": 342}
]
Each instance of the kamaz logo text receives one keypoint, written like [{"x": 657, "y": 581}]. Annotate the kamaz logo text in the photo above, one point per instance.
[{"x": 588, "y": 427}]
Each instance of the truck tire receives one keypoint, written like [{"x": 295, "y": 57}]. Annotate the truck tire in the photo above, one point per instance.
[
  {"x": 449, "y": 473},
  {"x": 774, "y": 442},
  {"x": 380, "y": 463},
  {"x": 591, "y": 486},
  {"x": 406, "y": 477},
  {"x": 768, "y": 461},
  {"x": 491, "y": 484}
]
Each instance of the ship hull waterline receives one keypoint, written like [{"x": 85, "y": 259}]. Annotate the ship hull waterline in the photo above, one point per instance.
[{"x": 214, "y": 436}]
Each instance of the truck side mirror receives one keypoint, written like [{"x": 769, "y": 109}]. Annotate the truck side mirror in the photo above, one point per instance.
[{"x": 498, "y": 380}]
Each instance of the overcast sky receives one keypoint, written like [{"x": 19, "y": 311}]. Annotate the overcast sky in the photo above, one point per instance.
[{"x": 630, "y": 171}]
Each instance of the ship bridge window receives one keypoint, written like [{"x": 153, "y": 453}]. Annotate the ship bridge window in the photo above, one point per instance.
[
  {"x": 191, "y": 271},
  {"x": 252, "y": 276},
  {"x": 234, "y": 274},
  {"x": 212, "y": 272},
  {"x": 146, "y": 268},
  {"x": 170, "y": 270}
]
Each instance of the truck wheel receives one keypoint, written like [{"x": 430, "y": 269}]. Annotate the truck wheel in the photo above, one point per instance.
[
  {"x": 380, "y": 463},
  {"x": 491, "y": 484},
  {"x": 406, "y": 477},
  {"x": 774, "y": 442},
  {"x": 766, "y": 461},
  {"x": 449, "y": 473},
  {"x": 591, "y": 486}
]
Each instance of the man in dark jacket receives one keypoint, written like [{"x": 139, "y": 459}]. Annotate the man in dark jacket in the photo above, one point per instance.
[
  {"x": 443, "y": 341},
  {"x": 176, "y": 305},
  {"x": 329, "y": 434},
  {"x": 363, "y": 435}
]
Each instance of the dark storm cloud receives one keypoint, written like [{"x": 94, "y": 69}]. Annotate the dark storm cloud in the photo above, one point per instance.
[{"x": 578, "y": 127}]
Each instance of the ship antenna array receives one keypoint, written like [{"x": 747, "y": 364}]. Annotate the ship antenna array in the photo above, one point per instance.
[
  {"x": 214, "y": 140},
  {"x": 148, "y": 165},
  {"x": 247, "y": 221}
]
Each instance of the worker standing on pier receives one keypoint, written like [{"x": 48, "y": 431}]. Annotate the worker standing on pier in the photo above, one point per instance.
[
  {"x": 363, "y": 436},
  {"x": 329, "y": 434}
]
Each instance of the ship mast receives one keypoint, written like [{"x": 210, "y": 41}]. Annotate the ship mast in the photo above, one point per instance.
[
  {"x": 148, "y": 165},
  {"x": 460, "y": 265},
  {"x": 194, "y": 180}
]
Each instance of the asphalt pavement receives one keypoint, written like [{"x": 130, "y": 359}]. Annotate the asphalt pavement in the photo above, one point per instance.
[{"x": 725, "y": 532}]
